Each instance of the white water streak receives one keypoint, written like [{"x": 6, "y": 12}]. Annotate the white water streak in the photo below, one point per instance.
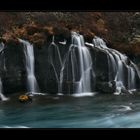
[{"x": 32, "y": 84}]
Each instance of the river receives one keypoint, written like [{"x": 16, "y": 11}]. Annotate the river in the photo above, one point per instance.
[{"x": 98, "y": 111}]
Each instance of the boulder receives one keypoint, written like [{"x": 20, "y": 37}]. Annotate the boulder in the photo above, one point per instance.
[{"x": 106, "y": 87}]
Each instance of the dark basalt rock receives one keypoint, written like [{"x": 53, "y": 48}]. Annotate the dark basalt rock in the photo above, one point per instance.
[
  {"x": 13, "y": 69},
  {"x": 14, "y": 76},
  {"x": 106, "y": 87}
]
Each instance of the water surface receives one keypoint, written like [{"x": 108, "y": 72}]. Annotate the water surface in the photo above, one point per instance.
[{"x": 98, "y": 111}]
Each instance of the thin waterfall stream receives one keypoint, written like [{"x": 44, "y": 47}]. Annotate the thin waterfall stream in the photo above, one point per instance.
[{"x": 32, "y": 85}]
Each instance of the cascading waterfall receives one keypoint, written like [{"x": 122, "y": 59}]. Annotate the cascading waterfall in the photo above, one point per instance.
[
  {"x": 2, "y": 97},
  {"x": 32, "y": 85},
  {"x": 76, "y": 67},
  {"x": 74, "y": 72},
  {"x": 119, "y": 66},
  {"x": 55, "y": 58},
  {"x": 85, "y": 63}
]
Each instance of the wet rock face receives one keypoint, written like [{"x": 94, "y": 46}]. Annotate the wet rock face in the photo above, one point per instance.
[
  {"x": 44, "y": 71},
  {"x": 106, "y": 87},
  {"x": 101, "y": 65},
  {"x": 13, "y": 70}
]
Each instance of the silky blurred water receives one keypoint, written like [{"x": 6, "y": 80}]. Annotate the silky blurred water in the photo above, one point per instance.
[{"x": 98, "y": 111}]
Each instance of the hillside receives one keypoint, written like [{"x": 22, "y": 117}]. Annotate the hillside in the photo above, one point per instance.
[{"x": 120, "y": 30}]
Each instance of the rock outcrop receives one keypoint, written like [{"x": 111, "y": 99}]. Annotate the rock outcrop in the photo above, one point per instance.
[{"x": 120, "y": 30}]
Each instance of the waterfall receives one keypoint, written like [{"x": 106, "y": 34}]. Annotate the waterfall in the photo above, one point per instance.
[
  {"x": 76, "y": 68},
  {"x": 85, "y": 63},
  {"x": 123, "y": 70},
  {"x": 55, "y": 58},
  {"x": 32, "y": 85},
  {"x": 2, "y": 97},
  {"x": 1, "y": 47}
]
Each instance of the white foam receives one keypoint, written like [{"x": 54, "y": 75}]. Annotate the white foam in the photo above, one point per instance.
[
  {"x": 125, "y": 108},
  {"x": 116, "y": 93},
  {"x": 34, "y": 93},
  {"x": 89, "y": 44},
  {"x": 132, "y": 90},
  {"x": 15, "y": 126},
  {"x": 60, "y": 94},
  {"x": 118, "y": 90},
  {"x": 84, "y": 94},
  {"x": 3, "y": 98},
  {"x": 63, "y": 43}
]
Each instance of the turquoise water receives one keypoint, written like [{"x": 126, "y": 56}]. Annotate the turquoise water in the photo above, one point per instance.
[{"x": 98, "y": 111}]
